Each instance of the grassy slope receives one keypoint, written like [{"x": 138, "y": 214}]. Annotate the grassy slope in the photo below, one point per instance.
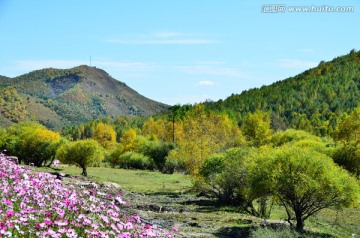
[{"x": 206, "y": 216}]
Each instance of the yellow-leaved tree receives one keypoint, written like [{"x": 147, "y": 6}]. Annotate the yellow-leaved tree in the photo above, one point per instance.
[
  {"x": 256, "y": 128},
  {"x": 128, "y": 140},
  {"x": 205, "y": 133},
  {"x": 31, "y": 142},
  {"x": 105, "y": 135},
  {"x": 163, "y": 130}
]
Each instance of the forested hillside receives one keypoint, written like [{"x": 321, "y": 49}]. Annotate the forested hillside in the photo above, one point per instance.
[
  {"x": 314, "y": 100},
  {"x": 58, "y": 98}
]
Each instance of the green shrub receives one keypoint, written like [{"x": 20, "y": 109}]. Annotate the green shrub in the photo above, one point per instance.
[
  {"x": 173, "y": 165},
  {"x": 133, "y": 160},
  {"x": 214, "y": 164},
  {"x": 113, "y": 157},
  {"x": 156, "y": 150},
  {"x": 348, "y": 157},
  {"x": 291, "y": 135},
  {"x": 225, "y": 176}
]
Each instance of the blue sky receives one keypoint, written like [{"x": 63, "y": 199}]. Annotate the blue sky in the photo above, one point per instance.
[{"x": 176, "y": 51}]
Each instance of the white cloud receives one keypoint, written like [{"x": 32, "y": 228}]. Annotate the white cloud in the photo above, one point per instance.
[
  {"x": 167, "y": 34},
  {"x": 296, "y": 64},
  {"x": 165, "y": 42},
  {"x": 205, "y": 83},
  {"x": 210, "y": 70},
  {"x": 163, "y": 38},
  {"x": 211, "y": 62}
]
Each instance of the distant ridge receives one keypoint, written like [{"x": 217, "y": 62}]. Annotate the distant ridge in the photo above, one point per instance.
[
  {"x": 64, "y": 97},
  {"x": 314, "y": 100}
]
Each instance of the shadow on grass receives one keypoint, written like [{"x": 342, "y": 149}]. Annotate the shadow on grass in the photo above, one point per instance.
[
  {"x": 208, "y": 205},
  {"x": 57, "y": 169},
  {"x": 170, "y": 194},
  {"x": 234, "y": 232},
  {"x": 246, "y": 232}
]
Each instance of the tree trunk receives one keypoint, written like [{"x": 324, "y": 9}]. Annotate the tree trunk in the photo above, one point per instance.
[
  {"x": 51, "y": 161},
  {"x": 84, "y": 172},
  {"x": 299, "y": 222},
  {"x": 262, "y": 209}
]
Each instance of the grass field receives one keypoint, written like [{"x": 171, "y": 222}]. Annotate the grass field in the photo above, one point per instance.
[
  {"x": 212, "y": 217},
  {"x": 140, "y": 181}
]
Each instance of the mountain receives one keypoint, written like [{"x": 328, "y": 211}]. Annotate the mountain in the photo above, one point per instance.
[
  {"x": 58, "y": 98},
  {"x": 314, "y": 100}
]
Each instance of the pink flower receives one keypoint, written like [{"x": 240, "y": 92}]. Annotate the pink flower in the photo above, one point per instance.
[
  {"x": 37, "y": 226},
  {"x": 9, "y": 214},
  {"x": 118, "y": 198},
  {"x": 125, "y": 235},
  {"x": 8, "y": 202},
  {"x": 176, "y": 229},
  {"x": 38, "y": 204}
]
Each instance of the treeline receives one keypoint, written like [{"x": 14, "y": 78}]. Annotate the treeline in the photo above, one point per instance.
[
  {"x": 251, "y": 166},
  {"x": 314, "y": 100},
  {"x": 171, "y": 142}
]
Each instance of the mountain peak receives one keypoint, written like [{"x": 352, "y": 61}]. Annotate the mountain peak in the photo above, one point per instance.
[
  {"x": 64, "y": 97},
  {"x": 90, "y": 71}
]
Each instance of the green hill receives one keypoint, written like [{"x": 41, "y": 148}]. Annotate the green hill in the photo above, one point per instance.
[
  {"x": 58, "y": 98},
  {"x": 313, "y": 100}
]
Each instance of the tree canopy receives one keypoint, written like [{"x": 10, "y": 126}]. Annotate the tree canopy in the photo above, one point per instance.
[
  {"x": 83, "y": 153},
  {"x": 304, "y": 181}
]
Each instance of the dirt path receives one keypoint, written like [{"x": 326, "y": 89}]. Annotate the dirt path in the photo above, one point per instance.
[{"x": 195, "y": 216}]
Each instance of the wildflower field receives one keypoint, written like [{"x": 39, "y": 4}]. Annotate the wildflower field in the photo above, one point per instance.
[{"x": 36, "y": 204}]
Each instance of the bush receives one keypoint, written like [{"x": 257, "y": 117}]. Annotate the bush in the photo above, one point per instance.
[
  {"x": 156, "y": 150},
  {"x": 225, "y": 176},
  {"x": 173, "y": 165},
  {"x": 133, "y": 160},
  {"x": 291, "y": 135},
  {"x": 113, "y": 157},
  {"x": 214, "y": 164},
  {"x": 348, "y": 157}
]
